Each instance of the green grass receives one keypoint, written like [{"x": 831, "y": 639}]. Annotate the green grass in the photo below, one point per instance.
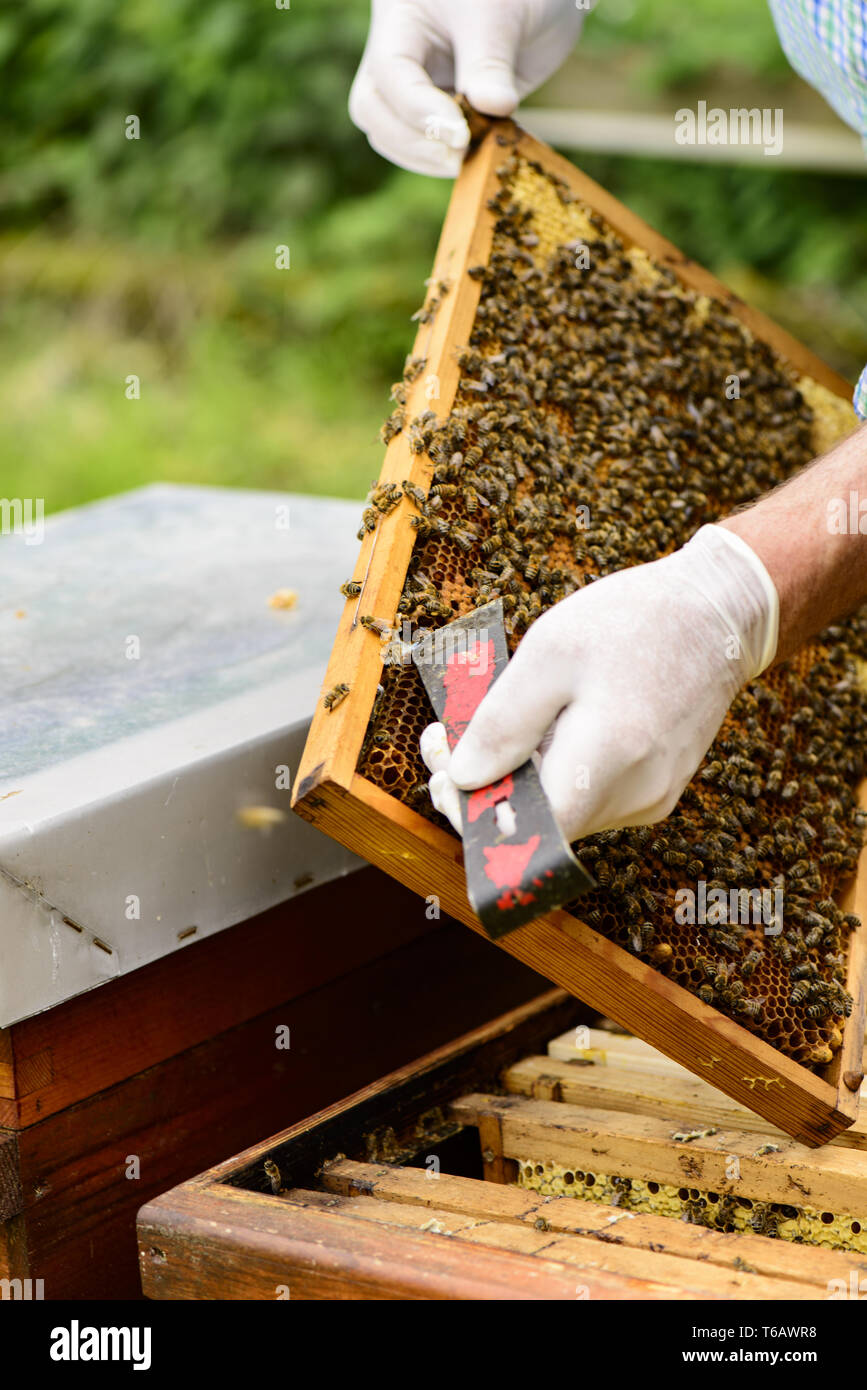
[{"x": 250, "y": 376}]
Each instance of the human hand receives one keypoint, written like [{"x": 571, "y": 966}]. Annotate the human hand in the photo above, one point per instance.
[
  {"x": 492, "y": 51},
  {"x": 622, "y": 687}
]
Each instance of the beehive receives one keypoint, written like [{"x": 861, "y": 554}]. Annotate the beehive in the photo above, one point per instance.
[
  {"x": 759, "y": 1187},
  {"x": 455, "y": 1177},
  {"x": 588, "y": 418}
]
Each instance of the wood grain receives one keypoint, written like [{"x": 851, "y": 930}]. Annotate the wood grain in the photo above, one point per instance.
[
  {"x": 248, "y": 1246},
  {"x": 641, "y": 1146},
  {"x": 684, "y": 1100},
  {"x": 682, "y": 1274},
  {"x": 102, "y": 1037},
  {"x": 335, "y": 736}
]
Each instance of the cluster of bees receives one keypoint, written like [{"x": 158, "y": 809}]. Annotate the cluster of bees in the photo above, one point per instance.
[{"x": 592, "y": 431}]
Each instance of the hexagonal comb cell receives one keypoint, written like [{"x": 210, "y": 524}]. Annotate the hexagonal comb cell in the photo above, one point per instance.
[
  {"x": 604, "y": 413},
  {"x": 802, "y": 1223}
]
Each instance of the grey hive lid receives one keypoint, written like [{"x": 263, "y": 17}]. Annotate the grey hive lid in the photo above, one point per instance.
[{"x": 150, "y": 693}]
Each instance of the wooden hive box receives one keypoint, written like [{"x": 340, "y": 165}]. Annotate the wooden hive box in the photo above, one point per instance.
[
  {"x": 451, "y": 1179},
  {"x": 372, "y": 805}
]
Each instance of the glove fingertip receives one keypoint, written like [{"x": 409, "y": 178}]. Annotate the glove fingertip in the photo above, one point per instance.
[
  {"x": 491, "y": 98},
  {"x": 470, "y": 768},
  {"x": 445, "y": 799},
  {"x": 434, "y": 747}
]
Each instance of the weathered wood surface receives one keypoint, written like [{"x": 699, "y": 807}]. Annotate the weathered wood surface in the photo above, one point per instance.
[
  {"x": 680, "y": 1097},
  {"x": 243, "y": 1245},
  {"x": 641, "y": 1146},
  {"x": 775, "y": 1259},
  {"x": 377, "y": 1232}
]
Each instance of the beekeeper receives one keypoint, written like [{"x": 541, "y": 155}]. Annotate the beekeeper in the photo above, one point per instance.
[{"x": 623, "y": 685}]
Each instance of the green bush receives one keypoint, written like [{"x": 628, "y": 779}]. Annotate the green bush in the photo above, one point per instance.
[{"x": 242, "y": 108}]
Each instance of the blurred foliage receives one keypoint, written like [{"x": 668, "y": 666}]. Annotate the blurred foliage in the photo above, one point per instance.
[
  {"x": 157, "y": 256},
  {"x": 686, "y": 40},
  {"x": 242, "y": 109}
]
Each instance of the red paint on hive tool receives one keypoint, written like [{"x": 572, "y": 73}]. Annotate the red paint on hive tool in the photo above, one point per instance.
[
  {"x": 467, "y": 678},
  {"x": 506, "y": 866},
  {"x": 481, "y": 800}
]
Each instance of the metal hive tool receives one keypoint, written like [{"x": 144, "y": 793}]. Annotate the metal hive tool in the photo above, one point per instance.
[{"x": 514, "y": 872}]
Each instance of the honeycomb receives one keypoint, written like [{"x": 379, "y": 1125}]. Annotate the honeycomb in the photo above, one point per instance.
[
  {"x": 716, "y": 1210},
  {"x": 591, "y": 432}
]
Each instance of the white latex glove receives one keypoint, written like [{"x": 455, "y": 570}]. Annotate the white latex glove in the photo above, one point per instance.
[
  {"x": 623, "y": 685},
  {"x": 492, "y": 51}
]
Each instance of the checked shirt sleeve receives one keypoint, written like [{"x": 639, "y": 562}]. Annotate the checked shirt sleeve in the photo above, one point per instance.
[{"x": 826, "y": 42}]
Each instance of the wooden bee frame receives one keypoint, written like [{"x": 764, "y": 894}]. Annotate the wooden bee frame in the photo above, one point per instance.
[
  {"x": 810, "y": 1106},
  {"x": 341, "y": 1206}
]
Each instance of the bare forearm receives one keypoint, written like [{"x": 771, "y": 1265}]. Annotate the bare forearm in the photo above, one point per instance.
[{"x": 808, "y": 534}]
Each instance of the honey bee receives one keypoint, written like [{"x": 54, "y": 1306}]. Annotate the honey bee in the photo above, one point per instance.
[
  {"x": 751, "y": 1008},
  {"x": 369, "y": 518},
  {"x": 727, "y": 940},
  {"x": 694, "y": 1210},
  {"x": 377, "y": 625},
  {"x": 335, "y": 695},
  {"x": 471, "y": 500},
  {"x": 646, "y": 935},
  {"x": 414, "y": 493},
  {"x": 351, "y": 589},
  {"x": 393, "y": 425},
  {"x": 751, "y": 963},
  {"x": 764, "y": 1221},
  {"x": 817, "y": 1011},
  {"x": 384, "y": 496},
  {"x": 272, "y": 1173},
  {"x": 722, "y": 973},
  {"x": 464, "y": 540}
]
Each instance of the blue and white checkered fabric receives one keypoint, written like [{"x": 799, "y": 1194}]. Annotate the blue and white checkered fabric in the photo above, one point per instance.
[{"x": 826, "y": 42}]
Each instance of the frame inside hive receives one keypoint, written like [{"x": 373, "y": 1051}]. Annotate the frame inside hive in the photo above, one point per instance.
[{"x": 329, "y": 791}]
